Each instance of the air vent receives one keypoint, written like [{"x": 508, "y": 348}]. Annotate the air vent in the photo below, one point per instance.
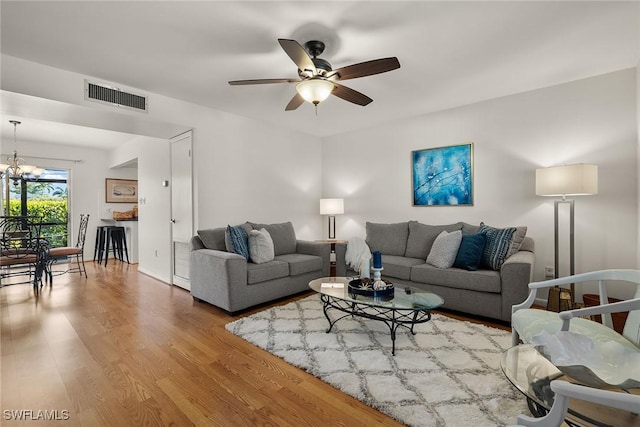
[{"x": 114, "y": 96}]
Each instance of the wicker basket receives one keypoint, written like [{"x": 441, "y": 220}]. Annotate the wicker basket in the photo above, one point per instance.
[{"x": 122, "y": 215}]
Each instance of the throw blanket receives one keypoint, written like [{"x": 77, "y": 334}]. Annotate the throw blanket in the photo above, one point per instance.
[{"x": 357, "y": 250}]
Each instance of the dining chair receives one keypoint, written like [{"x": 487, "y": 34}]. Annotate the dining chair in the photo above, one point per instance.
[
  {"x": 76, "y": 251},
  {"x": 23, "y": 251}
]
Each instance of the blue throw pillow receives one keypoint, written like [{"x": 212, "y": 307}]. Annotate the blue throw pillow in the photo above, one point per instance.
[
  {"x": 497, "y": 246},
  {"x": 239, "y": 240},
  {"x": 470, "y": 252}
]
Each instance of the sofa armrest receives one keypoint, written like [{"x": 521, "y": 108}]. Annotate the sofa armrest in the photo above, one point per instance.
[
  {"x": 323, "y": 250},
  {"x": 218, "y": 277},
  {"x": 516, "y": 273}
]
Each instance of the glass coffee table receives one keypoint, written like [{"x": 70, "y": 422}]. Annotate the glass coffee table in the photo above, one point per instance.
[
  {"x": 531, "y": 373},
  {"x": 407, "y": 306}
]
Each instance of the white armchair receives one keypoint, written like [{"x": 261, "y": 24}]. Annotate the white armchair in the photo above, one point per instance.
[{"x": 528, "y": 323}]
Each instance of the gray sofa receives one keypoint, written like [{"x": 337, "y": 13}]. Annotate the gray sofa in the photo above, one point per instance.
[
  {"x": 405, "y": 247},
  {"x": 227, "y": 280}
]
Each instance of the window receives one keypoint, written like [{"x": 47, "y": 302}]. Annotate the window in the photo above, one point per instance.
[{"x": 45, "y": 197}]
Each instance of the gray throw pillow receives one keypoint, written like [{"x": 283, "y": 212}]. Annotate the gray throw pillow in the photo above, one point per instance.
[
  {"x": 260, "y": 246},
  {"x": 444, "y": 250},
  {"x": 516, "y": 240}
]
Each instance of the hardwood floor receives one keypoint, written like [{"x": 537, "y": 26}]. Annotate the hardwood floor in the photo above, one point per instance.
[{"x": 123, "y": 349}]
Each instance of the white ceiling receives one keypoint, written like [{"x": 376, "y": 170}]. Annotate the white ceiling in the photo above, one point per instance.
[{"x": 451, "y": 53}]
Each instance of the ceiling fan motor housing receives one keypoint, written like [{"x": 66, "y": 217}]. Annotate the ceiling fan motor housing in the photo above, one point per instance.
[{"x": 314, "y": 47}]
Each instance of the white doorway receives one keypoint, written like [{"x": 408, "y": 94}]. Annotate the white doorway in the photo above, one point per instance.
[{"x": 181, "y": 208}]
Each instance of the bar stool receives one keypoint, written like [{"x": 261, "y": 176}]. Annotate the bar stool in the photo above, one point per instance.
[
  {"x": 116, "y": 236},
  {"x": 98, "y": 248}
]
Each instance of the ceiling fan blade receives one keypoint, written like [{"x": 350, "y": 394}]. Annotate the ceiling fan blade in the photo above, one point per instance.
[
  {"x": 350, "y": 95},
  {"x": 261, "y": 81},
  {"x": 295, "y": 102},
  {"x": 298, "y": 55},
  {"x": 368, "y": 68}
]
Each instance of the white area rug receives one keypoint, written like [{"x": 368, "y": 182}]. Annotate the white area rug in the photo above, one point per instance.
[{"x": 448, "y": 374}]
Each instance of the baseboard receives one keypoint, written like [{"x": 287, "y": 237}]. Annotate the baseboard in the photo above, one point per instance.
[{"x": 154, "y": 275}]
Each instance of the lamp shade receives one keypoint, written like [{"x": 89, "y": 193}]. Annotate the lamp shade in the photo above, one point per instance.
[
  {"x": 570, "y": 180},
  {"x": 331, "y": 206},
  {"x": 315, "y": 90}
]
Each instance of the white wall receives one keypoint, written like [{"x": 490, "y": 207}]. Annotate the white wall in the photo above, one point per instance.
[
  {"x": 243, "y": 169},
  {"x": 154, "y": 230},
  {"x": 587, "y": 121}
]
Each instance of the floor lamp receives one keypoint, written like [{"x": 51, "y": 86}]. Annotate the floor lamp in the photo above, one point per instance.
[
  {"x": 563, "y": 181},
  {"x": 332, "y": 207}
]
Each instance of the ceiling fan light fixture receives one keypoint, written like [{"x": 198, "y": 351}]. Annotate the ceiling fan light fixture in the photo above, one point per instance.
[{"x": 315, "y": 90}]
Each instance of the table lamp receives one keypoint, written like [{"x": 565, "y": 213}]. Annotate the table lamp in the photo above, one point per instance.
[{"x": 332, "y": 207}]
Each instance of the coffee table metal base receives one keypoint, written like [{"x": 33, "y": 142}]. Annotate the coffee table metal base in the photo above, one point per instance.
[{"x": 392, "y": 317}]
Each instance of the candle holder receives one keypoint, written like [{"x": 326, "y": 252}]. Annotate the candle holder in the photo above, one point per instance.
[{"x": 377, "y": 276}]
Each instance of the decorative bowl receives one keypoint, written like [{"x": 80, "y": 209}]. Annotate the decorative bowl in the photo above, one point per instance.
[{"x": 365, "y": 287}]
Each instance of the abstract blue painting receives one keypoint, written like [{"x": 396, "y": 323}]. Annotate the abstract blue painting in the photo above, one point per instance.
[{"x": 443, "y": 176}]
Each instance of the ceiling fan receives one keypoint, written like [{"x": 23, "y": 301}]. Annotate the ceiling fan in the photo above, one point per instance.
[{"x": 318, "y": 80}]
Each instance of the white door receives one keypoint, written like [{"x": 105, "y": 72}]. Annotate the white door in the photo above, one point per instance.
[{"x": 181, "y": 208}]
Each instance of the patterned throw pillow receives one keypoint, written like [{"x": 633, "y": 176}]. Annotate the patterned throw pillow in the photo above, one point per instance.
[
  {"x": 497, "y": 247},
  {"x": 239, "y": 241}
]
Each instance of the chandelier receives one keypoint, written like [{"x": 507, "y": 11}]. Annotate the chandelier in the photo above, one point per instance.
[{"x": 15, "y": 168}]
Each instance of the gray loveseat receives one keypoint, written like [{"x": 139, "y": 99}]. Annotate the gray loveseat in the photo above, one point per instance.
[
  {"x": 405, "y": 247},
  {"x": 227, "y": 280}
]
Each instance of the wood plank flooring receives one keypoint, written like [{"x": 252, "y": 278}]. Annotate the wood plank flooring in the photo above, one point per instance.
[{"x": 123, "y": 349}]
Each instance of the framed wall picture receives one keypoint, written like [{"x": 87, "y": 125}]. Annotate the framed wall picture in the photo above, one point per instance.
[
  {"x": 121, "y": 190},
  {"x": 443, "y": 176}
]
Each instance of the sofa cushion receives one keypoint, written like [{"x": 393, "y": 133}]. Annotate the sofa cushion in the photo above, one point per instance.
[
  {"x": 239, "y": 241},
  {"x": 213, "y": 238},
  {"x": 470, "y": 228},
  {"x": 421, "y": 237},
  {"x": 388, "y": 239},
  {"x": 481, "y": 280},
  {"x": 444, "y": 250},
  {"x": 399, "y": 267},
  {"x": 275, "y": 269},
  {"x": 470, "y": 252},
  {"x": 301, "y": 263},
  {"x": 283, "y": 236},
  {"x": 499, "y": 244},
  {"x": 260, "y": 246}
]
